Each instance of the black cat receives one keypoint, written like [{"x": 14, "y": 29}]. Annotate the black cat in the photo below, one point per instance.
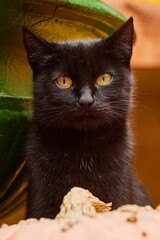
[{"x": 80, "y": 133}]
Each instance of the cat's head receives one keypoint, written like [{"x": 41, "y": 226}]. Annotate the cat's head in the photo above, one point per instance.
[{"x": 81, "y": 84}]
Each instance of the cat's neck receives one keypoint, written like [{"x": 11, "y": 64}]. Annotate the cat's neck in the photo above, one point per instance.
[
  {"x": 77, "y": 140},
  {"x": 109, "y": 133},
  {"x": 98, "y": 149}
]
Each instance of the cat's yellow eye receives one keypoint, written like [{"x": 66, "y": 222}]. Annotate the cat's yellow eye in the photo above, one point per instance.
[
  {"x": 104, "y": 79},
  {"x": 64, "y": 82}
]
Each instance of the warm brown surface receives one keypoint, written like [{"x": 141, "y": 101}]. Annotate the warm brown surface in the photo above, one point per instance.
[
  {"x": 146, "y": 65},
  {"x": 147, "y": 130}
]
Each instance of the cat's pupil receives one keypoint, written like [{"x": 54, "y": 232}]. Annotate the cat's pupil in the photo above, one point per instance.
[{"x": 64, "y": 81}]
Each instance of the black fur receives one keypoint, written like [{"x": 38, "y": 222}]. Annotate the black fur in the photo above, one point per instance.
[{"x": 86, "y": 144}]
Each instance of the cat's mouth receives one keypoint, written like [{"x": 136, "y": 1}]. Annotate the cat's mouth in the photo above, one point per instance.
[
  {"x": 87, "y": 117},
  {"x": 85, "y": 120}
]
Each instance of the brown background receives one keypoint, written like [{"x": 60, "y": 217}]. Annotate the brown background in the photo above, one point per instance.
[{"x": 146, "y": 68}]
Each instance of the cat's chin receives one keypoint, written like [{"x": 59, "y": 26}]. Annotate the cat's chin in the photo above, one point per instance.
[{"x": 85, "y": 123}]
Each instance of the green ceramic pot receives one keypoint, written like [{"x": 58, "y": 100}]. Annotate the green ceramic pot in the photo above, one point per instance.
[{"x": 53, "y": 20}]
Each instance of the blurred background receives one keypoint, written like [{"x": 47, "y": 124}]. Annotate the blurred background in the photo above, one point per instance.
[
  {"x": 81, "y": 19},
  {"x": 146, "y": 68}
]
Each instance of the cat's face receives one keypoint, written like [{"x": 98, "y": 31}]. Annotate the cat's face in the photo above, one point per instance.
[{"x": 81, "y": 84}]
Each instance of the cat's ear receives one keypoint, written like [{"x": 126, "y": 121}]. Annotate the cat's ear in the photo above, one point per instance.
[
  {"x": 34, "y": 45},
  {"x": 122, "y": 39}
]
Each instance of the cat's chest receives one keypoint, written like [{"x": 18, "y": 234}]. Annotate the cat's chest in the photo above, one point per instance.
[
  {"x": 78, "y": 153},
  {"x": 78, "y": 146},
  {"x": 84, "y": 156},
  {"x": 76, "y": 164}
]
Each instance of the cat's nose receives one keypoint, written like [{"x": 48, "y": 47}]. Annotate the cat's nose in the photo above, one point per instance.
[{"x": 86, "y": 99}]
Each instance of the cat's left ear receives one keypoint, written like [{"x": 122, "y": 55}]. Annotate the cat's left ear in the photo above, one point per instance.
[
  {"x": 35, "y": 47},
  {"x": 122, "y": 39}
]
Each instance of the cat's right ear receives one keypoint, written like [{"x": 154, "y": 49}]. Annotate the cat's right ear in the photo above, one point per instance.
[
  {"x": 34, "y": 45},
  {"x": 121, "y": 40}
]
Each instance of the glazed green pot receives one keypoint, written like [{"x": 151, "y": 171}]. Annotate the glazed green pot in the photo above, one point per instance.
[{"x": 53, "y": 20}]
